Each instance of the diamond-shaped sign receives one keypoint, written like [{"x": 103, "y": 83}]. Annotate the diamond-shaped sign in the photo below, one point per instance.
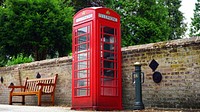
[{"x": 153, "y": 65}]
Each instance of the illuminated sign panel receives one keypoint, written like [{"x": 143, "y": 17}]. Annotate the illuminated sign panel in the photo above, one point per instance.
[
  {"x": 84, "y": 17},
  {"x": 107, "y": 17}
]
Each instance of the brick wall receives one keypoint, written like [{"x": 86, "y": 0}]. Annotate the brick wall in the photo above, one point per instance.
[
  {"x": 179, "y": 63},
  {"x": 18, "y": 73}
]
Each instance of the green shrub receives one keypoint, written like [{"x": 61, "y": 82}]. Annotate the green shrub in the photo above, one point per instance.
[{"x": 19, "y": 59}]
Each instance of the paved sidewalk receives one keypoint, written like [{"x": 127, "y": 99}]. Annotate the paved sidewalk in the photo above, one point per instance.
[{"x": 19, "y": 108}]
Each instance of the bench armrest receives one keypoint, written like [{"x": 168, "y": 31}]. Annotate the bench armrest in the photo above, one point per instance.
[
  {"x": 16, "y": 86},
  {"x": 13, "y": 88}
]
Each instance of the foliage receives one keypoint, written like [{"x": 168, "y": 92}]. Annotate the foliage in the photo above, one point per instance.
[
  {"x": 142, "y": 21},
  {"x": 147, "y": 21},
  {"x": 19, "y": 59},
  {"x": 35, "y": 27},
  {"x": 175, "y": 19},
  {"x": 195, "y": 25}
]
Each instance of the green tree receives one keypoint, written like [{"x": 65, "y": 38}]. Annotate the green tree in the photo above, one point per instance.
[
  {"x": 195, "y": 25},
  {"x": 142, "y": 21},
  {"x": 80, "y": 4},
  {"x": 175, "y": 19},
  {"x": 3, "y": 41},
  {"x": 39, "y": 28}
]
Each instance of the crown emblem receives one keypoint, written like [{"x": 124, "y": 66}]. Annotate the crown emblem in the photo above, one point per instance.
[
  {"x": 83, "y": 13},
  {"x": 108, "y": 12}
]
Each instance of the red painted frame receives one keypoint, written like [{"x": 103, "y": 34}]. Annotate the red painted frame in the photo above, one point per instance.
[{"x": 91, "y": 88}]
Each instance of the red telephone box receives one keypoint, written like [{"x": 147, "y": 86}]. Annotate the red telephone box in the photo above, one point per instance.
[{"x": 96, "y": 70}]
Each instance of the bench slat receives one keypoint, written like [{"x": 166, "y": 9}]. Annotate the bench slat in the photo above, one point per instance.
[{"x": 24, "y": 93}]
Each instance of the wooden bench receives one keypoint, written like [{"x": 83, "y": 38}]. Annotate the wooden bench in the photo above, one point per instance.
[{"x": 39, "y": 87}]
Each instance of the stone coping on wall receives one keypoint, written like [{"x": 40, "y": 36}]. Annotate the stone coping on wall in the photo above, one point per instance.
[
  {"x": 164, "y": 44},
  {"x": 36, "y": 64}
]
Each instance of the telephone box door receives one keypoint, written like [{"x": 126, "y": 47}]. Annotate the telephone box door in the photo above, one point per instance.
[
  {"x": 110, "y": 81},
  {"x": 81, "y": 65}
]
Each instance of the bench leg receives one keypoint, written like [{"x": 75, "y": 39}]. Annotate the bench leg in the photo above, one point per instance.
[
  {"x": 39, "y": 99},
  {"x": 10, "y": 100},
  {"x": 23, "y": 100},
  {"x": 52, "y": 99}
]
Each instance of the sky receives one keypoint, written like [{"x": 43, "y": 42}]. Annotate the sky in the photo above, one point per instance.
[{"x": 187, "y": 9}]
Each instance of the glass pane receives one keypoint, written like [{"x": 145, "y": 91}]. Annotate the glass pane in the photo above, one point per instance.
[
  {"x": 109, "y": 47},
  {"x": 82, "y": 39},
  {"x": 82, "y": 65},
  {"x": 108, "y": 55},
  {"x": 82, "y": 47},
  {"x": 82, "y": 74},
  {"x": 109, "y": 73},
  {"x": 82, "y": 30},
  {"x": 108, "y": 81},
  {"x": 82, "y": 92},
  {"x": 108, "y": 64},
  {"x": 82, "y": 83},
  {"x": 108, "y": 30},
  {"x": 82, "y": 56},
  {"x": 108, "y": 38}
]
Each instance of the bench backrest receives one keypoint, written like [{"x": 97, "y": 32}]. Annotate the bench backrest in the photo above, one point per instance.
[{"x": 31, "y": 84}]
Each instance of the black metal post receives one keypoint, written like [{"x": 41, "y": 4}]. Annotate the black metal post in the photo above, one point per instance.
[{"x": 138, "y": 104}]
